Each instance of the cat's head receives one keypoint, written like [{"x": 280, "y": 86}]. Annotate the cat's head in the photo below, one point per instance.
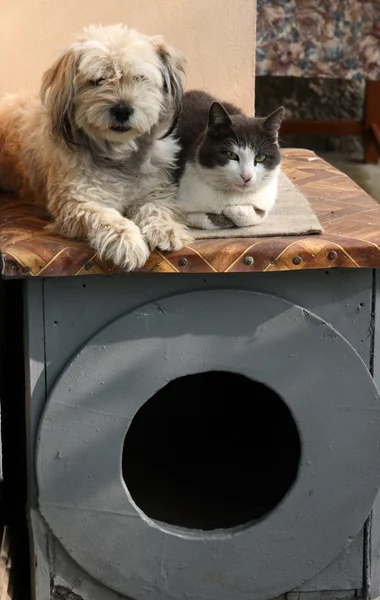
[{"x": 239, "y": 153}]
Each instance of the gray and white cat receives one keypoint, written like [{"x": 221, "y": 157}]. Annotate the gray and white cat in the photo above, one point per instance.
[{"x": 229, "y": 163}]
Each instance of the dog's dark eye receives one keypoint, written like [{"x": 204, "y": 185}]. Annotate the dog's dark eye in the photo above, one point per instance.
[{"x": 97, "y": 81}]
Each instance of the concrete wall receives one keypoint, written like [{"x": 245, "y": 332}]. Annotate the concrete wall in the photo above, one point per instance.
[{"x": 217, "y": 36}]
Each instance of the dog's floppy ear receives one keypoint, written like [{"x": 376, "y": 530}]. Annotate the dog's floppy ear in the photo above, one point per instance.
[
  {"x": 58, "y": 92},
  {"x": 173, "y": 65}
]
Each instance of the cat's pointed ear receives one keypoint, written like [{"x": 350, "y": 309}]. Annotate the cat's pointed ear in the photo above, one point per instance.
[
  {"x": 273, "y": 121},
  {"x": 218, "y": 116}
]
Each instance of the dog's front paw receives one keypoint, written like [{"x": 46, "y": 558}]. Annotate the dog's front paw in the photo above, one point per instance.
[
  {"x": 122, "y": 244},
  {"x": 169, "y": 237}
]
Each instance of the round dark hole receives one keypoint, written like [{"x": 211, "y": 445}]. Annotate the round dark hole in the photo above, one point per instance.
[{"x": 211, "y": 451}]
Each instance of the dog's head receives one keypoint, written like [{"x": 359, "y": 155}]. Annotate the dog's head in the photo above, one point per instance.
[{"x": 114, "y": 84}]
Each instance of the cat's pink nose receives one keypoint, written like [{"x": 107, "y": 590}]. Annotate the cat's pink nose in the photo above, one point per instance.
[{"x": 246, "y": 178}]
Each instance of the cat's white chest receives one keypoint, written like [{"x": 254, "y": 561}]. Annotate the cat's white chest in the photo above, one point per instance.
[{"x": 197, "y": 195}]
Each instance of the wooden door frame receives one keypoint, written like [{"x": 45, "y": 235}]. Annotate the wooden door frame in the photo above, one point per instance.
[{"x": 368, "y": 128}]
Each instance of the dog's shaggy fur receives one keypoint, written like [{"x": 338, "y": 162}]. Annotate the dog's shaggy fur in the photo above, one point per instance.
[{"x": 97, "y": 149}]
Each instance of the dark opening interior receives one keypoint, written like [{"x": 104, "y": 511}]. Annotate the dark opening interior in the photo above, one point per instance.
[
  {"x": 14, "y": 539},
  {"x": 211, "y": 451}
]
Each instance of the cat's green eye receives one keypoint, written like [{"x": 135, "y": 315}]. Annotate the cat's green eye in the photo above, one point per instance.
[
  {"x": 260, "y": 158},
  {"x": 232, "y": 155}
]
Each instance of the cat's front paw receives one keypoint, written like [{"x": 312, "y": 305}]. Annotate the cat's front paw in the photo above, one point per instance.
[
  {"x": 245, "y": 215},
  {"x": 208, "y": 221},
  {"x": 220, "y": 221}
]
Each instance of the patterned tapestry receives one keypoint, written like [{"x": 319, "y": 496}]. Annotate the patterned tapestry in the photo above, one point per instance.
[{"x": 339, "y": 39}]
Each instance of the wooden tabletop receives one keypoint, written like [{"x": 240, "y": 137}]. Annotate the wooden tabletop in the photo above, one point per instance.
[{"x": 351, "y": 238}]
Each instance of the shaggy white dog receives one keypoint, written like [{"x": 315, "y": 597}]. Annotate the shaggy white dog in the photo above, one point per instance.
[{"x": 98, "y": 150}]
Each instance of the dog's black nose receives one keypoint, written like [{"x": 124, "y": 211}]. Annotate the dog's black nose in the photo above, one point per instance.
[{"x": 121, "y": 112}]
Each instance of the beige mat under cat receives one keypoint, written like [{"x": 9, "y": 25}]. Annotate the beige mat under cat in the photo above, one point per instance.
[{"x": 291, "y": 215}]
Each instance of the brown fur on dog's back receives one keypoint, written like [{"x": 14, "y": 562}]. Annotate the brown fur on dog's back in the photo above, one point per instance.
[{"x": 20, "y": 123}]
